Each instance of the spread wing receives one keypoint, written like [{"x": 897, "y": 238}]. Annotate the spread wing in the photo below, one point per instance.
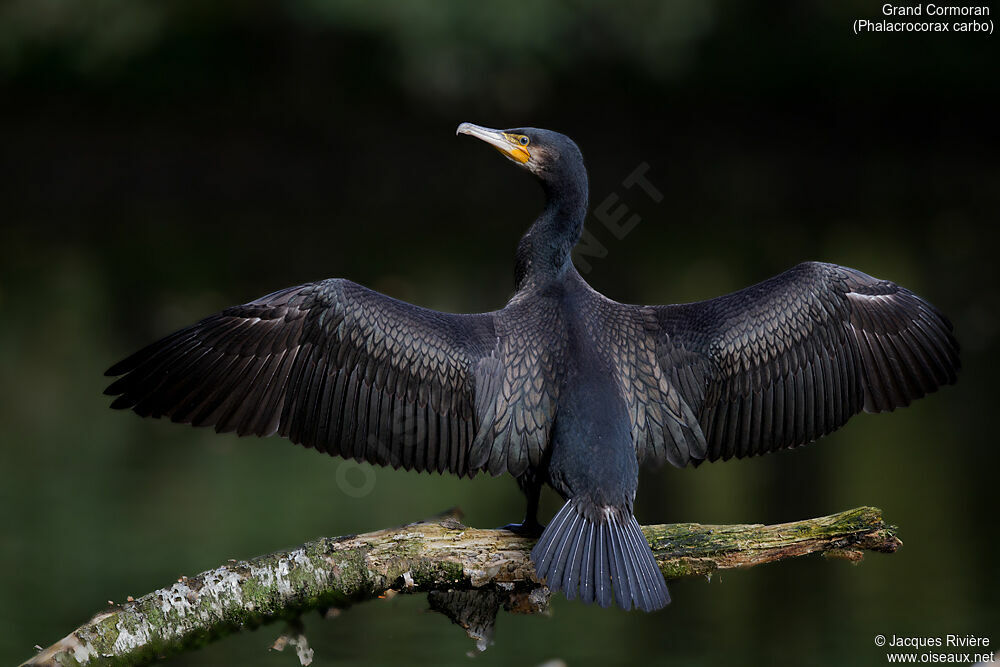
[
  {"x": 791, "y": 359},
  {"x": 331, "y": 365}
]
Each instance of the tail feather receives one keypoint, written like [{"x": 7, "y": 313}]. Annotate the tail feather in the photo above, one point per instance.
[
  {"x": 623, "y": 579},
  {"x": 586, "y": 565},
  {"x": 570, "y": 534},
  {"x": 571, "y": 571},
  {"x": 630, "y": 573},
  {"x": 647, "y": 569},
  {"x": 600, "y": 555},
  {"x": 602, "y": 570},
  {"x": 545, "y": 557}
]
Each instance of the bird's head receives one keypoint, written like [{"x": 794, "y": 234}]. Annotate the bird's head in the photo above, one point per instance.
[
  {"x": 544, "y": 250},
  {"x": 550, "y": 156}
]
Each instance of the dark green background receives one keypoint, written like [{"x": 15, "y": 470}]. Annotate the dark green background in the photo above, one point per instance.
[{"x": 163, "y": 160}]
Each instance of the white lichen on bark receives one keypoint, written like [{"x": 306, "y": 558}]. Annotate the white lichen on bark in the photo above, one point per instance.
[{"x": 441, "y": 555}]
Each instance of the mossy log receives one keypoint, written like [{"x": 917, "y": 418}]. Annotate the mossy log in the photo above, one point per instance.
[{"x": 436, "y": 556}]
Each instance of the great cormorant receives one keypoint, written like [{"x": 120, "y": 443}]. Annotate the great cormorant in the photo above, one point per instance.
[{"x": 562, "y": 386}]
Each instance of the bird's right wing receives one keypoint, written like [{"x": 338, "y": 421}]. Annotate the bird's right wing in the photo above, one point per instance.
[
  {"x": 331, "y": 365},
  {"x": 786, "y": 361}
]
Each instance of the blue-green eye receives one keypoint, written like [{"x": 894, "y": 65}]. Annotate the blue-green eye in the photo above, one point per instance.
[{"x": 524, "y": 140}]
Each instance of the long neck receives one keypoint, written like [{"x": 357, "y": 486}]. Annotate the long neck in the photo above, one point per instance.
[{"x": 544, "y": 251}]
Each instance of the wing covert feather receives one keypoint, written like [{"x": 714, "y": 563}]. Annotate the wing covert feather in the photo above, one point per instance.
[
  {"x": 784, "y": 362},
  {"x": 331, "y": 365}
]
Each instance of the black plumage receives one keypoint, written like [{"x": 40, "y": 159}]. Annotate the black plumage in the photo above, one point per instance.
[{"x": 562, "y": 386}]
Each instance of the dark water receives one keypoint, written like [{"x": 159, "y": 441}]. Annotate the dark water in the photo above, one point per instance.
[{"x": 220, "y": 155}]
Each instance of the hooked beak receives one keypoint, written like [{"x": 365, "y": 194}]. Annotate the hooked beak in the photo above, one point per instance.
[{"x": 499, "y": 140}]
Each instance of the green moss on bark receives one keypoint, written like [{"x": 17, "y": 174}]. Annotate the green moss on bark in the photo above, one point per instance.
[{"x": 435, "y": 556}]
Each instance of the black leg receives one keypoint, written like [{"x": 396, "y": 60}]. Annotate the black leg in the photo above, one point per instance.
[{"x": 530, "y": 527}]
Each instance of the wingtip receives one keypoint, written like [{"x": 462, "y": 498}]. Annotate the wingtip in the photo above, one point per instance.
[
  {"x": 115, "y": 388},
  {"x": 123, "y": 402},
  {"x": 116, "y": 370}
]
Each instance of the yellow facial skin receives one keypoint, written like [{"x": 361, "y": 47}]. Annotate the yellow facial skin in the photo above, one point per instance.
[
  {"x": 519, "y": 147},
  {"x": 513, "y": 146}
]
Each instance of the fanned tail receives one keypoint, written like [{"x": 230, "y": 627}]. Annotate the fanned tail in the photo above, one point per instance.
[{"x": 601, "y": 554}]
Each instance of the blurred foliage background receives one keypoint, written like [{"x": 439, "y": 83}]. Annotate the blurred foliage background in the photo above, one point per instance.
[{"x": 163, "y": 160}]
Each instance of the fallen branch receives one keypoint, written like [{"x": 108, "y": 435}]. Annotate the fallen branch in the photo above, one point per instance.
[{"x": 469, "y": 572}]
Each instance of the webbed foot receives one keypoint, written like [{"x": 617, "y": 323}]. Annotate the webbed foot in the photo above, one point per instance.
[{"x": 525, "y": 529}]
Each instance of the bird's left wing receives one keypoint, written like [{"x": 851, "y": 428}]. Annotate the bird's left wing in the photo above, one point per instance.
[
  {"x": 331, "y": 365},
  {"x": 786, "y": 361}
]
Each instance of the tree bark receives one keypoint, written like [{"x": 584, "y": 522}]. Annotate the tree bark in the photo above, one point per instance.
[{"x": 439, "y": 556}]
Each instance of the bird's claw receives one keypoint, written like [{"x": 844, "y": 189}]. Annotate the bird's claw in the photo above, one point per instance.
[{"x": 525, "y": 529}]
